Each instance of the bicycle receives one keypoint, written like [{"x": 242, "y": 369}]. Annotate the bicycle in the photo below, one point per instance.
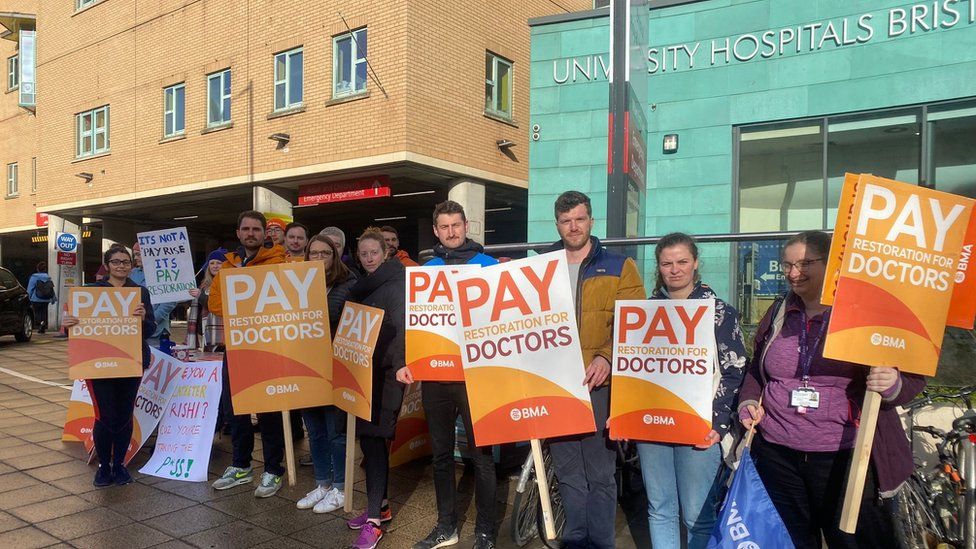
[{"x": 939, "y": 507}]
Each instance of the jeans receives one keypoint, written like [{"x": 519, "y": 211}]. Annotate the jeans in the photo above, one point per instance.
[
  {"x": 443, "y": 401},
  {"x": 679, "y": 474},
  {"x": 242, "y": 435},
  {"x": 327, "y": 444},
  {"x": 585, "y": 467},
  {"x": 113, "y": 400},
  {"x": 807, "y": 489}
]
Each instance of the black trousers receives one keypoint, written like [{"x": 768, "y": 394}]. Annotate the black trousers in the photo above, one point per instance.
[
  {"x": 40, "y": 315},
  {"x": 113, "y": 400},
  {"x": 376, "y": 462},
  {"x": 807, "y": 489},
  {"x": 242, "y": 435},
  {"x": 443, "y": 402}
]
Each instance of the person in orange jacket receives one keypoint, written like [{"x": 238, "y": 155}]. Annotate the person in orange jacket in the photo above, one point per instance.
[
  {"x": 254, "y": 251},
  {"x": 392, "y": 240}
]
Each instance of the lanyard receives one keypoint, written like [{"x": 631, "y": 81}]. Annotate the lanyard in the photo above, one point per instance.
[{"x": 808, "y": 351}]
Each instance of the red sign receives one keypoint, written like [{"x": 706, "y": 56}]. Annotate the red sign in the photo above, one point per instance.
[
  {"x": 342, "y": 191},
  {"x": 67, "y": 258},
  {"x": 40, "y": 219}
]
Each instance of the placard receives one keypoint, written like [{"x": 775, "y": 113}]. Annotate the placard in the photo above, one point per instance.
[
  {"x": 897, "y": 276},
  {"x": 432, "y": 336},
  {"x": 663, "y": 365},
  {"x": 81, "y": 414},
  {"x": 962, "y": 307},
  {"x": 412, "y": 438},
  {"x": 186, "y": 430},
  {"x": 276, "y": 328},
  {"x": 168, "y": 264},
  {"x": 107, "y": 341},
  {"x": 523, "y": 365},
  {"x": 352, "y": 358}
]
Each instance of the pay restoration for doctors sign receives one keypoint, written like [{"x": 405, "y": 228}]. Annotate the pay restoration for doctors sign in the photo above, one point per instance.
[
  {"x": 523, "y": 365},
  {"x": 279, "y": 349}
]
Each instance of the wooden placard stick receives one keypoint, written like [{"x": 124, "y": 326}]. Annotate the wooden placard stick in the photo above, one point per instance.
[{"x": 860, "y": 462}]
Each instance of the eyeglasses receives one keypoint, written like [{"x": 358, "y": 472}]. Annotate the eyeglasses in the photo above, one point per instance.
[
  {"x": 120, "y": 262},
  {"x": 803, "y": 265},
  {"x": 320, "y": 255}
]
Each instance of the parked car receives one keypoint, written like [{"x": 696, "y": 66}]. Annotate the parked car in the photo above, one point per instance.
[{"x": 16, "y": 316}]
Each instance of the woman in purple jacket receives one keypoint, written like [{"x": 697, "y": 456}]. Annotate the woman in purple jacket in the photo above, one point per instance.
[{"x": 808, "y": 419}]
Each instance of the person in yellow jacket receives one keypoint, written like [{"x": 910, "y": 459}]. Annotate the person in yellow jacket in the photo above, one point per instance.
[
  {"x": 254, "y": 251},
  {"x": 585, "y": 464}
]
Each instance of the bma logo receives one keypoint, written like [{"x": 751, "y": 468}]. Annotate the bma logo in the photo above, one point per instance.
[
  {"x": 658, "y": 420},
  {"x": 524, "y": 413},
  {"x": 887, "y": 341},
  {"x": 67, "y": 242},
  {"x": 281, "y": 389}
]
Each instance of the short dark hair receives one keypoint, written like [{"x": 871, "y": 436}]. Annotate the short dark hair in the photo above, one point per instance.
[
  {"x": 448, "y": 207},
  {"x": 818, "y": 240},
  {"x": 569, "y": 200},
  {"x": 42, "y": 267},
  {"x": 115, "y": 249},
  {"x": 252, "y": 214},
  {"x": 388, "y": 229},
  {"x": 296, "y": 225},
  {"x": 669, "y": 240}
]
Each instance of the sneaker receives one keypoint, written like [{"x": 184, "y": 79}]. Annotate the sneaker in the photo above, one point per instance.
[
  {"x": 483, "y": 541},
  {"x": 103, "y": 476},
  {"x": 313, "y": 497},
  {"x": 270, "y": 484},
  {"x": 357, "y": 523},
  {"x": 122, "y": 476},
  {"x": 334, "y": 500},
  {"x": 369, "y": 535},
  {"x": 439, "y": 537},
  {"x": 233, "y": 476},
  {"x": 305, "y": 460}
]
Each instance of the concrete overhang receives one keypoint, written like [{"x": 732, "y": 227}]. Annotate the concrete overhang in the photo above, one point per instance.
[{"x": 14, "y": 21}]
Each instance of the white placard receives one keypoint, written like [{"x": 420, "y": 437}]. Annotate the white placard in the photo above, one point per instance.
[{"x": 168, "y": 265}]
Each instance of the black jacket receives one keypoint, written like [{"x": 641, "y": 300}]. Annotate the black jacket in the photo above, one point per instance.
[
  {"x": 148, "y": 320},
  {"x": 385, "y": 289},
  {"x": 338, "y": 295}
]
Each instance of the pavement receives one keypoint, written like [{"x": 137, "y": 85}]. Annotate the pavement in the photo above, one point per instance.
[{"x": 47, "y": 498}]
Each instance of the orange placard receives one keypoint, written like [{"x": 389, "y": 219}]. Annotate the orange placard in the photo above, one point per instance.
[
  {"x": 523, "y": 364},
  {"x": 276, "y": 324},
  {"x": 107, "y": 341},
  {"x": 412, "y": 439},
  {"x": 663, "y": 362},
  {"x": 897, "y": 276},
  {"x": 962, "y": 309},
  {"x": 845, "y": 211},
  {"x": 81, "y": 414},
  {"x": 432, "y": 336},
  {"x": 352, "y": 358}
]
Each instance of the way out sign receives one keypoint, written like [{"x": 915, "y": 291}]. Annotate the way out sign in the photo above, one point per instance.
[
  {"x": 663, "y": 360},
  {"x": 279, "y": 348}
]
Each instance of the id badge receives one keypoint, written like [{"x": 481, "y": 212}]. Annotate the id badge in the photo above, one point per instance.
[{"x": 805, "y": 397}]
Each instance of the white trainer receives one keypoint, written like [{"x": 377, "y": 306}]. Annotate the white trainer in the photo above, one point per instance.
[
  {"x": 333, "y": 501},
  {"x": 313, "y": 497}
]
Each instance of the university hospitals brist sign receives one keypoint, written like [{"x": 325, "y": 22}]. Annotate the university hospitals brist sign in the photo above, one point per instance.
[{"x": 835, "y": 33}]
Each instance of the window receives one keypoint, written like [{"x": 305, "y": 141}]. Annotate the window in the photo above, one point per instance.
[
  {"x": 288, "y": 79},
  {"x": 498, "y": 85},
  {"x": 218, "y": 98},
  {"x": 951, "y": 166},
  {"x": 12, "y": 189},
  {"x": 174, "y": 110},
  {"x": 79, "y": 4},
  {"x": 13, "y": 73},
  {"x": 349, "y": 64},
  {"x": 92, "y": 132}
]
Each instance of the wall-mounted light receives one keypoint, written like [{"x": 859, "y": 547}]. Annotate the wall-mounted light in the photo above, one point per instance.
[
  {"x": 670, "y": 144},
  {"x": 281, "y": 139},
  {"x": 504, "y": 144},
  {"x": 87, "y": 176}
]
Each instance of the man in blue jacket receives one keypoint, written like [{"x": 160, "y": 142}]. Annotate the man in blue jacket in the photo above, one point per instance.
[
  {"x": 40, "y": 290},
  {"x": 445, "y": 400}
]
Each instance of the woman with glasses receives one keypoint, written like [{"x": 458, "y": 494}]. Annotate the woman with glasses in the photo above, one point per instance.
[
  {"x": 115, "y": 398},
  {"x": 327, "y": 424},
  {"x": 807, "y": 408}
]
